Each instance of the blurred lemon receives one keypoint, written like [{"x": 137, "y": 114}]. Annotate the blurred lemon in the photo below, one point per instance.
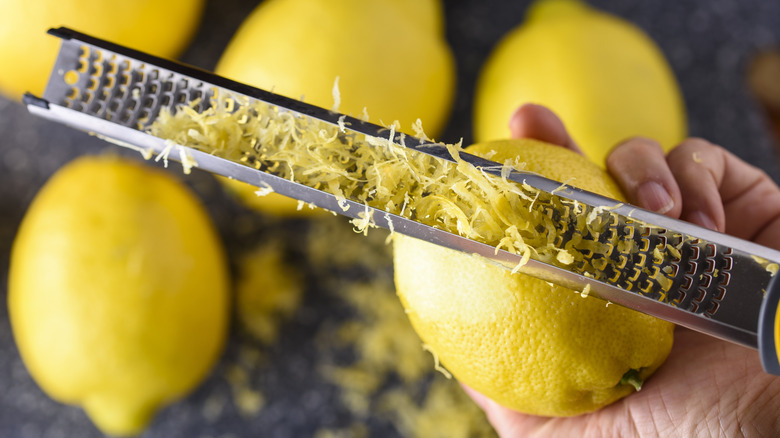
[
  {"x": 530, "y": 346},
  {"x": 27, "y": 53},
  {"x": 118, "y": 291},
  {"x": 390, "y": 57},
  {"x": 605, "y": 77}
]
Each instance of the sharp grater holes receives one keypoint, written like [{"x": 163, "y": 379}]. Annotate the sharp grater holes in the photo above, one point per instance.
[
  {"x": 147, "y": 102},
  {"x": 95, "y": 107}
]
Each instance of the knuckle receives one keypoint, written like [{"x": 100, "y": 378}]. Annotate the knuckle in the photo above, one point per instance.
[
  {"x": 693, "y": 152},
  {"x": 695, "y": 144},
  {"x": 633, "y": 150}
]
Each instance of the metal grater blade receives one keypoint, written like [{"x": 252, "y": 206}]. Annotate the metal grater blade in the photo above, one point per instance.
[{"x": 671, "y": 269}]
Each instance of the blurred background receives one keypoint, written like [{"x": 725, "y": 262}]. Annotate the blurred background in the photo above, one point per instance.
[{"x": 720, "y": 51}]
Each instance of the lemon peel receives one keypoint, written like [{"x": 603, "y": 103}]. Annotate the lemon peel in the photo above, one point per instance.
[{"x": 133, "y": 309}]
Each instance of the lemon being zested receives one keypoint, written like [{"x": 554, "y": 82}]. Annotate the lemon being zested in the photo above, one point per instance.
[
  {"x": 118, "y": 291},
  {"x": 529, "y": 345}
]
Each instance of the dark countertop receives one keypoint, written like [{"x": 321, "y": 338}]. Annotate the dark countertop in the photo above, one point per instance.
[{"x": 709, "y": 45}]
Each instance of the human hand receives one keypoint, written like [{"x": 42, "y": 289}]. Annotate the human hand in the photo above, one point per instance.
[{"x": 707, "y": 387}]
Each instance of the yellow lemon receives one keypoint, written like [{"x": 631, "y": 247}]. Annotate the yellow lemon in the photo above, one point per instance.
[
  {"x": 118, "y": 291},
  {"x": 606, "y": 79},
  {"x": 27, "y": 53},
  {"x": 529, "y": 345},
  {"x": 389, "y": 56}
]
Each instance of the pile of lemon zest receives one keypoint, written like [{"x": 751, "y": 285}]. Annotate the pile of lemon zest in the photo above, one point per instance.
[
  {"x": 457, "y": 197},
  {"x": 436, "y": 364}
]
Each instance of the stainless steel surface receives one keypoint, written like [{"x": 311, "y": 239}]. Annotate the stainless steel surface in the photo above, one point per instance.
[{"x": 686, "y": 274}]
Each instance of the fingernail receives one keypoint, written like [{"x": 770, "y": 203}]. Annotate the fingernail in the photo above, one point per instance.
[
  {"x": 653, "y": 196},
  {"x": 702, "y": 219}
]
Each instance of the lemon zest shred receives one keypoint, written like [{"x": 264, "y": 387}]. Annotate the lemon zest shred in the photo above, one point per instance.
[
  {"x": 336, "y": 95},
  {"x": 436, "y": 364},
  {"x": 187, "y": 162},
  {"x": 165, "y": 152},
  {"x": 264, "y": 190},
  {"x": 585, "y": 291}
]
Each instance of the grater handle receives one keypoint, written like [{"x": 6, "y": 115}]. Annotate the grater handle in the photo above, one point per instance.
[{"x": 769, "y": 329}]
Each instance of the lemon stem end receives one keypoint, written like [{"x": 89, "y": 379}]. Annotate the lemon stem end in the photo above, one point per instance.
[{"x": 631, "y": 377}]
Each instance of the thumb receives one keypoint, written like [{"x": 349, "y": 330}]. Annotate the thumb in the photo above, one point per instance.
[{"x": 540, "y": 123}]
